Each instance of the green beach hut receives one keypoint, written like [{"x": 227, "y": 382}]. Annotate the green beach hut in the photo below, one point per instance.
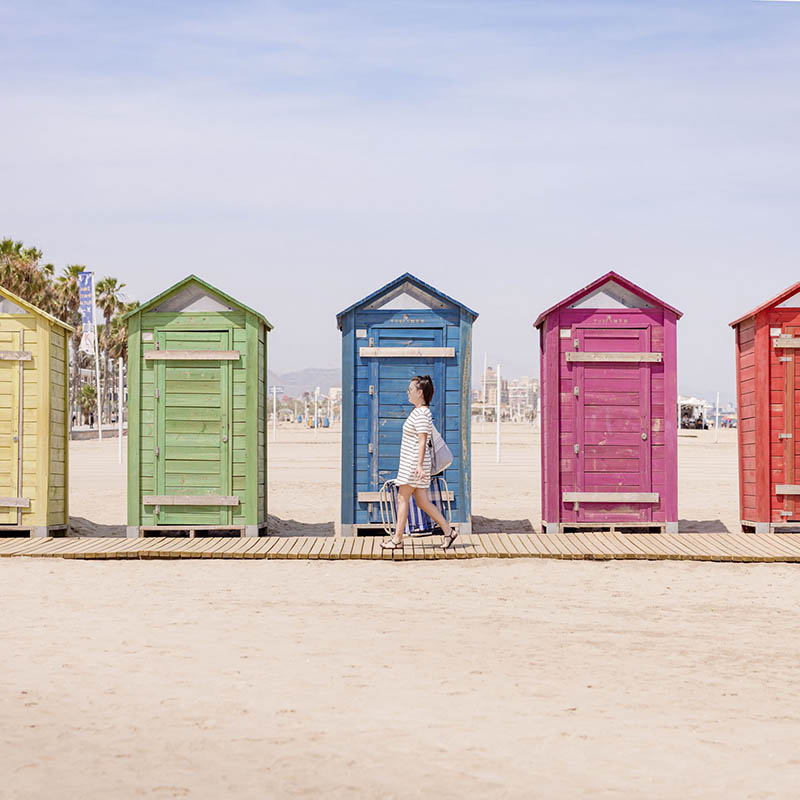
[{"x": 197, "y": 414}]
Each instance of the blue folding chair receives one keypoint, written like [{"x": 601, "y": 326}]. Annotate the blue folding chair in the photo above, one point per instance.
[{"x": 419, "y": 523}]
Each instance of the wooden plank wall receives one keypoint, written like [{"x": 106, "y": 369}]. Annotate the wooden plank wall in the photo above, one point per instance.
[
  {"x": 263, "y": 417},
  {"x": 57, "y": 513},
  {"x": 746, "y": 400}
]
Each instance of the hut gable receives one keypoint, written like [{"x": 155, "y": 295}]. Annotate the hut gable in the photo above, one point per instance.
[
  {"x": 10, "y": 307},
  {"x": 785, "y": 299},
  {"x": 609, "y": 291},
  {"x": 194, "y": 295},
  {"x": 406, "y": 292},
  {"x": 193, "y": 298},
  {"x": 12, "y": 304}
]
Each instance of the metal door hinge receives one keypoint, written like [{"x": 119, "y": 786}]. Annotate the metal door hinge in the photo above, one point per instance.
[
  {"x": 784, "y": 435},
  {"x": 784, "y": 358},
  {"x": 575, "y": 391},
  {"x": 371, "y": 448},
  {"x": 786, "y": 513},
  {"x": 371, "y": 389},
  {"x": 576, "y": 448}
]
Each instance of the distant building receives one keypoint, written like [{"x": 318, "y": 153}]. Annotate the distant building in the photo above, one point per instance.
[
  {"x": 489, "y": 389},
  {"x": 523, "y": 394},
  {"x": 519, "y": 397}
]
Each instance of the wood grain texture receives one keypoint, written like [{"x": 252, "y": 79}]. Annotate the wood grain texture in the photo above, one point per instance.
[
  {"x": 611, "y": 357},
  {"x": 192, "y": 355}
]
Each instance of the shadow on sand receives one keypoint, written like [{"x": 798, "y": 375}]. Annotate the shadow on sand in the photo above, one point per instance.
[
  {"x": 489, "y": 525},
  {"x": 702, "y": 526},
  {"x": 291, "y": 527},
  {"x": 78, "y": 526}
]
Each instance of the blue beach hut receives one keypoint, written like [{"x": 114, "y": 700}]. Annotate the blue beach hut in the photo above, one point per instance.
[{"x": 403, "y": 329}]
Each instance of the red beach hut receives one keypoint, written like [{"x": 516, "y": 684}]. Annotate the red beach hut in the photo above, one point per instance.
[
  {"x": 609, "y": 409},
  {"x": 768, "y": 394}
]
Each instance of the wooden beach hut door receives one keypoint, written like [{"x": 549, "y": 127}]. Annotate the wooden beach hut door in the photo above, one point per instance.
[
  {"x": 10, "y": 388},
  {"x": 613, "y": 423},
  {"x": 193, "y": 426},
  {"x": 389, "y": 406}
]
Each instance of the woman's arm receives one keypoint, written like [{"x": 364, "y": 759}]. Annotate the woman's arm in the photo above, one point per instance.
[{"x": 423, "y": 443}]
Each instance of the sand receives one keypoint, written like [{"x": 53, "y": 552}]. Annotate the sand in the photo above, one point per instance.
[
  {"x": 480, "y": 678},
  {"x": 358, "y": 679}
]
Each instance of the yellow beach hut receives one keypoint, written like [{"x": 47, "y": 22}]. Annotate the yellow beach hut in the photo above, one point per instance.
[{"x": 33, "y": 419}]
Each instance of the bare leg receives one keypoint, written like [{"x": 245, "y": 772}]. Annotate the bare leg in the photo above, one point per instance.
[
  {"x": 423, "y": 501},
  {"x": 404, "y": 493}
]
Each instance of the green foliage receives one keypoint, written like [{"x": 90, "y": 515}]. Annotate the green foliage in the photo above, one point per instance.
[{"x": 88, "y": 398}]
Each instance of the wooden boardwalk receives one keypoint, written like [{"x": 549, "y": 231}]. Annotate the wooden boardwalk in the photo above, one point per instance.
[{"x": 592, "y": 546}]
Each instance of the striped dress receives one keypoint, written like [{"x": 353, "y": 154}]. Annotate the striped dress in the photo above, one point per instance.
[{"x": 419, "y": 421}]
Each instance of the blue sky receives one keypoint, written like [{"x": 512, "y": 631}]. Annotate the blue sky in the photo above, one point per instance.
[{"x": 299, "y": 155}]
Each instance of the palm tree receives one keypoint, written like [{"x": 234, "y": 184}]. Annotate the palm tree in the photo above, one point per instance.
[
  {"x": 22, "y": 273},
  {"x": 118, "y": 332},
  {"x": 108, "y": 294},
  {"x": 117, "y": 337},
  {"x": 88, "y": 399}
]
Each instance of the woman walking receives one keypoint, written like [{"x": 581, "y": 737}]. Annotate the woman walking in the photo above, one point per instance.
[{"x": 414, "y": 472}]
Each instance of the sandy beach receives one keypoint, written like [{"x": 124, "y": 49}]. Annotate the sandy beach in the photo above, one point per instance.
[{"x": 484, "y": 678}]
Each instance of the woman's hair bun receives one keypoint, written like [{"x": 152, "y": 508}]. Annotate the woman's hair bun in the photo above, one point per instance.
[{"x": 425, "y": 383}]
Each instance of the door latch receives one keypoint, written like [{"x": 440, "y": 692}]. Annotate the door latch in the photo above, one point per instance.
[
  {"x": 575, "y": 391},
  {"x": 371, "y": 390},
  {"x": 224, "y": 437},
  {"x": 784, "y": 435},
  {"x": 371, "y": 448},
  {"x": 371, "y": 341},
  {"x": 158, "y": 451},
  {"x": 576, "y": 343},
  {"x": 158, "y": 393},
  {"x": 644, "y": 437},
  {"x": 576, "y": 448}
]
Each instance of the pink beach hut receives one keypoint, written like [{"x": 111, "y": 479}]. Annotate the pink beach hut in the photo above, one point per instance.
[{"x": 609, "y": 410}]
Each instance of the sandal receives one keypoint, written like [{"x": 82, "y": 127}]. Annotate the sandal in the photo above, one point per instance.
[
  {"x": 392, "y": 545},
  {"x": 447, "y": 541}
]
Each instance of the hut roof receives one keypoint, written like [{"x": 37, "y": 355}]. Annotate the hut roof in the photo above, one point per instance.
[
  {"x": 617, "y": 287},
  {"x": 33, "y": 309},
  {"x": 199, "y": 282},
  {"x": 411, "y": 285},
  {"x": 775, "y": 301}
]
